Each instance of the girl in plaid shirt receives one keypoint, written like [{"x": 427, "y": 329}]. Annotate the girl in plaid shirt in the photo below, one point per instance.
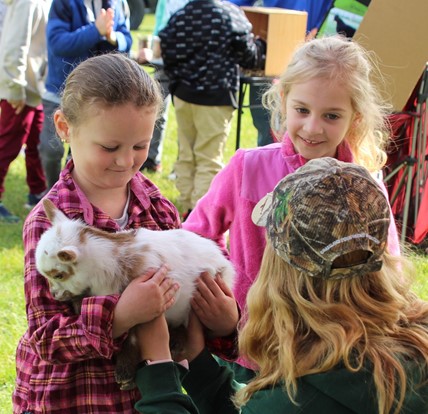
[{"x": 65, "y": 362}]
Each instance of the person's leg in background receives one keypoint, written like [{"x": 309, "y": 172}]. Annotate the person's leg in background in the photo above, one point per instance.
[
  {"x": 260, "y": 115},
  {"x": 153, "y": 162},
  {"x": 185, "y": 165},
  {"x": 213, "y": 124},
  {"x": 50, "y": 147},
  {"x": 35, "y": 175},
  {"x": 14, "y": 132}
]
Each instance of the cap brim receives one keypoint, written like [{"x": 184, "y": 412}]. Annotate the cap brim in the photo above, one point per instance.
[{"x": 261, "y": 210}]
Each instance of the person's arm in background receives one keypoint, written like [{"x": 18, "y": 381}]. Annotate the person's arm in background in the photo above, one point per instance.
[
  {"x": 249, "y": 51},
  {"x": 64, "y": 40},
  {"x": 120, "y": 36},
  {"x": 70, "y": 37},
  {"x": 146, "y": 54}
]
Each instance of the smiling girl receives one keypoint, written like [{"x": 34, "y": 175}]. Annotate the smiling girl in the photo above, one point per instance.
[{"x": 324, "y": 104}]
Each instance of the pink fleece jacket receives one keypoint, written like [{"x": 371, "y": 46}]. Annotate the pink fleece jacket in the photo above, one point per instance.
[{"x": 228, "y": 204}]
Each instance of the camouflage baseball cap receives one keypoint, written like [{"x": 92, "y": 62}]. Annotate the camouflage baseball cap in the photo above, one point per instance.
[{"x": 329, "y": 219}]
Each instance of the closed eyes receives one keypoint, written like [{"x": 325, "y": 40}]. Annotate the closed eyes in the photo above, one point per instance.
[
  {"x": 109, "y": 149},
  {"x": 113, "y": 149},
  {"x": 59, "y": 276}
]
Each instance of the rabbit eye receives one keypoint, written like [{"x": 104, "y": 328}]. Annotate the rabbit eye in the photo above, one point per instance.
[{"x": 59, "y": 276}]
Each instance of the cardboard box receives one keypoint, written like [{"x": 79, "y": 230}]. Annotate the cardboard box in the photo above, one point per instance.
[
  {"x": 396, "y": 31},
  {"x": 282, "y": 29}
]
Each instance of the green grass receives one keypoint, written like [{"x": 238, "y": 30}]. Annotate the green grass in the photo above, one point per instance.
[{"x": 12, "y": 306}]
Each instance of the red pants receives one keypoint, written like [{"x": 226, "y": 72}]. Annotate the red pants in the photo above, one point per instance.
[{"x": 15, "y": 131}]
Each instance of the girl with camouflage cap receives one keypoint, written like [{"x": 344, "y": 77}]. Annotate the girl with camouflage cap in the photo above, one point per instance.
[{"x": 333, "y": 326}]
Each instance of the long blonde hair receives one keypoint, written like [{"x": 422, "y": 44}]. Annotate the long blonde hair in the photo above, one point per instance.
[
  {"x": 341, "y": 59},
  {"x": 298, "y": 325}
]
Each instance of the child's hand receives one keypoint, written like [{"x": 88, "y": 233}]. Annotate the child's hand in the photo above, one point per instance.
[
  {"x": 215, "y": 306},
  {"x": 104, "y": 22},
  {"x": 153, "y": 339},
  {"x": 144, "y": 299},
  {"x": 144, "y": 55},
  {"x": 18, "y": 105},
  {"x": 195, "y": 339},
  {"x": 110, "y": 33}
]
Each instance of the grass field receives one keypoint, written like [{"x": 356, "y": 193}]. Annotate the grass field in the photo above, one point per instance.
[{"x": 12, "y": 306}]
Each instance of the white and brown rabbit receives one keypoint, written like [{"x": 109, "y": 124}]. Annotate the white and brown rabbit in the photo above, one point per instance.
[{"x": 80, "y": 261}]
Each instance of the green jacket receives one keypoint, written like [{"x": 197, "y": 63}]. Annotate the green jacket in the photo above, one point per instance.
[{"x": 209, "y": 387}]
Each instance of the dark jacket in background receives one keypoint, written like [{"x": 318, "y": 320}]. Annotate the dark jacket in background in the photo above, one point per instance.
[{"x": 203, "y": 45}]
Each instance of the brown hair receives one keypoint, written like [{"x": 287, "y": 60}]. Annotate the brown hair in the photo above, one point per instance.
[{"x": 110, "y": 79}]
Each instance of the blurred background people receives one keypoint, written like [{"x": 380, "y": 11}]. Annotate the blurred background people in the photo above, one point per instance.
[
  {"x": 203, "y": 45},
  {"x": 22, "y": 69},
  {"x": 164, "y": 10}
]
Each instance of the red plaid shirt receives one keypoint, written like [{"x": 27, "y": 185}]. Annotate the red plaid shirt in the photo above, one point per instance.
[{"x": 64, "y": 361}]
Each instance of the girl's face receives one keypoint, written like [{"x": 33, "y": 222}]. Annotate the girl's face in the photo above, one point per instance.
[
  {"x": 109, "y": 146},
  {"x": 319, "y": 115}
]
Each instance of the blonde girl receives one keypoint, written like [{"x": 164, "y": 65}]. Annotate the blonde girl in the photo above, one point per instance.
[{"x": 325, "y": 105}]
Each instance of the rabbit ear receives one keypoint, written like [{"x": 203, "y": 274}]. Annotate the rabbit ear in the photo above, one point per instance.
[
  {"x": 68, "y": 254},
  {"x": 53, "y": 213}
]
